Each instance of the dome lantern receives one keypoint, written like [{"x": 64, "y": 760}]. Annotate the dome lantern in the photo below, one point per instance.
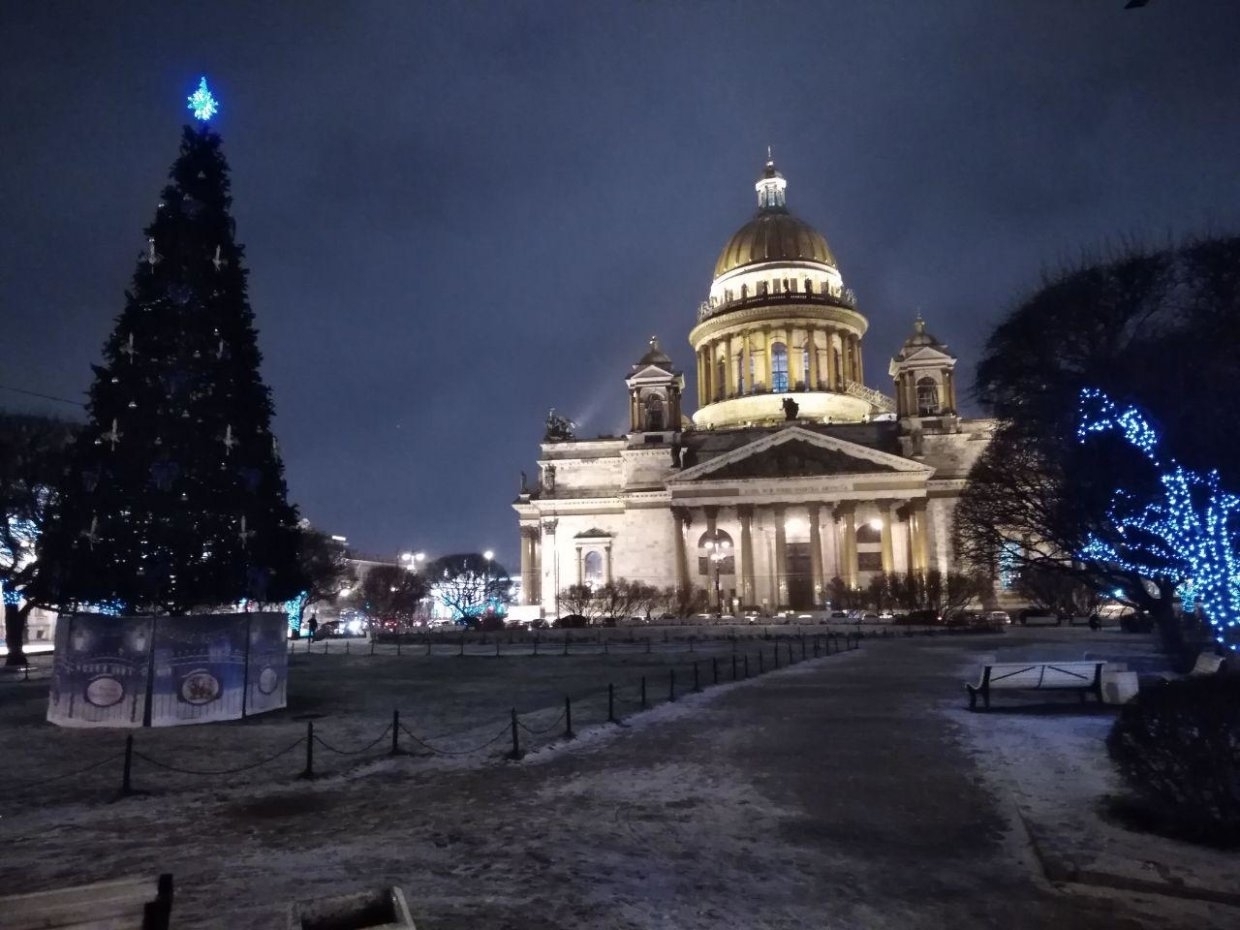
[{"x": 771, "y": 188}]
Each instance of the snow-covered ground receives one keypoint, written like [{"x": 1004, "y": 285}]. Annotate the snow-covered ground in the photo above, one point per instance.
[{"x": 844, "y": 792}]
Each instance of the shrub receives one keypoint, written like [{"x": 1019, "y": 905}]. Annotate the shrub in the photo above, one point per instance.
[
  {"x": 1177, "y": 746},
  {"x": 572, "y": 622}
]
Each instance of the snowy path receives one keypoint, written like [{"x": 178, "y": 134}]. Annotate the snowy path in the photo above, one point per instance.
[{"x": 831, "y": 794}]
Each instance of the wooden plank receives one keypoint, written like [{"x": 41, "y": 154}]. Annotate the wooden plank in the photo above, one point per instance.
[{"x": 112, "y": 905}]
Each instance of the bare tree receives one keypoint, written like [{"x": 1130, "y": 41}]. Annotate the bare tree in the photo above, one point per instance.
[{"x": 469, "y": 584}]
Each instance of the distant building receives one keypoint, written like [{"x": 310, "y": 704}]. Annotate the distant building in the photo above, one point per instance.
[{"x": 790, "y": 473}]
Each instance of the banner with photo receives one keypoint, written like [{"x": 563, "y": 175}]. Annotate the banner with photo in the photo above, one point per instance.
[
  {"x": 100, "y": 671},
  {"x": 167, "y": 671},
  {"x": 268, "y": 663}
]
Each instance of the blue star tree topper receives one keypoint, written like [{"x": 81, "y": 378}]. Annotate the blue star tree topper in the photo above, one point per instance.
[{"x": 202, "y": 103}]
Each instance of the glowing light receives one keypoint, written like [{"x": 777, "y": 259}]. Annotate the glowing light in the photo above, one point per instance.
[
  {"x": 203, "y": 105},
  {"x": 488, "y": 555},
  {"x": 876, "y": 523},
  {"x": 293, "y": 608},
  {"x": 1189, "y": 537}
]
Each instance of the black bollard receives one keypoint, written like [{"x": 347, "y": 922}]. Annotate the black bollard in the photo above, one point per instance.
[
  {"x": 714, "y": 667},
  {"x": 326, "y": 645},
  {"x": 372, "y": 643},
  {"x": 126, "y": 783},
  {"x": 697, "y": 685},
  {"x": 775, "y": 653},
  {"x": 398, "y": 639},
  {"x": 461, "y": 651},
  {"x": 643, "y": 692},
  {"x": 761, "y": 663},
  {"x": 816, "y": 646},
  {"x": 395, "y": 733},
  {"x": 516, "y": 738},
  {"x": 802, "y": 648},
  {"x": 747, "y": 665},
  {"x": 734, "y": 666},
  {"x": 568, "y": 718},
  {"x": 497, "y": 647},
  {"x": 308, "y": 772},
  {"x": 611, "y": 703},
  {"x": 671, "y": 684}
]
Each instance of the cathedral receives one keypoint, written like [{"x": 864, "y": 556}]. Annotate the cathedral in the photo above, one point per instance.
[{"x": 791, "y": 472}]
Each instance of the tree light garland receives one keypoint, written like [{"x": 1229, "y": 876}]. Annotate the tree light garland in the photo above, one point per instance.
[
  {"x": 202, "y": 103},
  {"x": 1188, "y": 537}
]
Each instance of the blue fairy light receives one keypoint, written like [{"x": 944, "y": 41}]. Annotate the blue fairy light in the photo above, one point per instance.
[
  {"x": 1189, "y": 536},
  {"x": 202, "y": 103}
]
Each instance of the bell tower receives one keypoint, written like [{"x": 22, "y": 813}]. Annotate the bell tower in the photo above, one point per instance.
[
  {"x": 924, "y": 375},
  {"x": 655, "y": 391}
]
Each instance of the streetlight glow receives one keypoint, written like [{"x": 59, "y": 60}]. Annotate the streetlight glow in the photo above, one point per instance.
[{"x": 488, "y": 555}]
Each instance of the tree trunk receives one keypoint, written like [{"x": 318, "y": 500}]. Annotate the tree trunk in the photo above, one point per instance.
[
  {"x": 15, "y": 634},
  {"x": 1170, "y": 630}
]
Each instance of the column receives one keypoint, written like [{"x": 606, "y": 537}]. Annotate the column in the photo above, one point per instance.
[
  {"x": 831, "y": 552},
  {"x": 859, "y": 361},
  {"x": 923, "y": 536},
  {"x": 918, "y": 555},
  {"x": 796, "y": 366},
  {"x": 746, "y": 365},
  {"x": 527, "y": 565},
  {"x": 949, "y": 392},
  {"x": 729, "y": 368},
  {"x": 811, "y": 337},
  {"x": 848, "y": 543},
  {"x": 748, "y": 594},
  {"x": 781, "y": 558},
  {"x": 815, "y": 556},
  {"x": 701, "y": 380},
  {"x": 889, "y": 562},
  {"x": 768, "y": 335},
  {"x": 712, "y": 567},
  {"x": 680, "y": 517},
  {"x": 832, "y": 375},
  {"x": 536, "y": 551}
]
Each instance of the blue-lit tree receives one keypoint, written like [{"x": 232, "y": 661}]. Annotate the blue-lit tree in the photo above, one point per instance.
[{"x": 1186, "y": 536}]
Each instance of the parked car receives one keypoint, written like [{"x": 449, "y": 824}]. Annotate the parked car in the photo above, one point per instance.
[
  {"x": 999, "y": 617},
  {"x": 920, "y": 618},
  {"x": 839, "y": 615},
  {"x": 869, "y": 617}
]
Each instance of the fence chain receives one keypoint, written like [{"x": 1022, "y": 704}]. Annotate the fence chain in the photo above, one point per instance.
[
  {"x": 244, "y": 768},
  {"x": 455, "y": 752},
  {"x": 44, "y": 781},
  {"x": 354, "y": 752},
  {"x": 547, "y": 729}
]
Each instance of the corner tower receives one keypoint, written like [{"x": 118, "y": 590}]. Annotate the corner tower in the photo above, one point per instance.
[
  {"x": 924, "y": 375},
  {"x": 779, "y": 322}
]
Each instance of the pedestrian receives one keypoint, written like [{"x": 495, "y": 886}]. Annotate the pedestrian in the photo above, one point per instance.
[
  {"x": 314, "y": 625},
  {"x": 1094, "y": 620}
]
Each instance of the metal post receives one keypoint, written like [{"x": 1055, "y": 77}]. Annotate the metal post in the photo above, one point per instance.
[
  {"x": 372, "y": 643},
  {"x": 308, "y": 772},
  {"x": 714, "y": 667},
  {"x": 398, "y": 639},
  {"x": 568, "y": 718},
  {"x": 697, "y": 685},
  {"x": 734, "y": 666},
  {"x": 126, "y": 784},
  {"x": 535, "y": 645},
  {"x": 497, "y": 647},
  {"x": 327, "y": 644},
  {"x": 396, "y": 732},
  {"x": 761, "y": 663},
  {"x": 648, "y": 646},
  {"x": 461, "y": 651},
  {"x": 775, "y": 653},
  {"x": 643, "y": 692},
  {"x": 567, "y": 637},
  {"x": 747, "y": 665},
  {"x": 671, "y": 684},
  {"x": 611, "y": 703},
  {"x": 802, "y": 647},
  {"x": 516, "y": 739}
]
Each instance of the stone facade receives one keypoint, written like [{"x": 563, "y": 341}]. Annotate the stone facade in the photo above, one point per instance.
[{"x": 791, "y": 473}]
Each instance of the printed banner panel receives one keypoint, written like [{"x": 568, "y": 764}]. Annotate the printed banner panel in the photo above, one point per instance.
[
  {"x": 116, "y": 671},
  {"x": 268, "y": 664},
  {"x": 100, "y": 671},
  {"x": 199, "y": 669}
]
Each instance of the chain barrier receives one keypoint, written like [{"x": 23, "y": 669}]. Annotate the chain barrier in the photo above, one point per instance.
[
  {"x": 243, "y": 768},
  {"x": 45, "y": 781},
  {"x": 454, "y": 752},
  {"x": 354, "y": 752},
  {"x": 541, "y": 730}
]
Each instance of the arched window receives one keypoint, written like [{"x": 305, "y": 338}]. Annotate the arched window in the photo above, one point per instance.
[
  {"x": 762, "y": 288},
  {"x": 715, "y": 551},
  {"x": 868, "y": 533},
  {"x": 779, "y": 367},
  {"x": 927, "y": 397},
  {"x": 744, "y": 291},
  {"x": 592, "y": 568},
  {"x": 654, "y": 412}
]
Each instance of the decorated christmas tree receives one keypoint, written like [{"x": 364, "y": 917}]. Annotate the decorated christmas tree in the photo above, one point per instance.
[{"x": 176, "y": 498}]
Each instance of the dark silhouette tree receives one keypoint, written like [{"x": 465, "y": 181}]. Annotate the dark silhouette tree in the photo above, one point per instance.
[
  {"x": 176, "y": 497},
  {"x": 391, "y": 592},
  {"x": 33, "y": 456},
  {"x": 326, "y": 568}
]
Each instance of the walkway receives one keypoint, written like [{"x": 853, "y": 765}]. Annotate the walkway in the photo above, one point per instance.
[{"x": 831, "y": 794}]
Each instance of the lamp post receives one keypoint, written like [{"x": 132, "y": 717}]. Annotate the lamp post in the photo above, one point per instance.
[
  {"x": 486, "y": 581},
  {"x": 718, "y": 552}
]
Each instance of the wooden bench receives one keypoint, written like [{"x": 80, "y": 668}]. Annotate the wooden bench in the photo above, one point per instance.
[
  {"x": 1207, "y": 664},
  {"x": 1081, "y": 677},
  {"x": 123, "y": 904}
]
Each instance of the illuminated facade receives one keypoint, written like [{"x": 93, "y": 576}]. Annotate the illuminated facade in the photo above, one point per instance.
[{"x": 791, "y": 472}]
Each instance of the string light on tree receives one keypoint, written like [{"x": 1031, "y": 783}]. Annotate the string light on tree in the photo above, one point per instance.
[
  {"x": 1189, "y": 537},
  {"x": 202, "y": 103}
]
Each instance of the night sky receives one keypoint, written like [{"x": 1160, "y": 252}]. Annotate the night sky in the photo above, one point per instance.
[{"x": 458, "y": 215}]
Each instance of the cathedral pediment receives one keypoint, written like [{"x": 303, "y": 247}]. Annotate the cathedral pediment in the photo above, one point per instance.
[{"x": 799, "y": 453}]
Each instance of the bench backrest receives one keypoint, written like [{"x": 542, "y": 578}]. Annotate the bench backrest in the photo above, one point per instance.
[
  {"x": 1207, "y": 664},
  {"x": 123, "y": 904},
  {"x": 1042, "y": 674}
]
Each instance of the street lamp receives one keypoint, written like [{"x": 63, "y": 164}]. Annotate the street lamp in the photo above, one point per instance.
[
  {"x": 486, "y": 584},
  {"x": 718, "y": 552}
]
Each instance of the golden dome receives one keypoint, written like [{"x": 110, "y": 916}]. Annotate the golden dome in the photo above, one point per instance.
[{"x": 773, "y": 236}]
